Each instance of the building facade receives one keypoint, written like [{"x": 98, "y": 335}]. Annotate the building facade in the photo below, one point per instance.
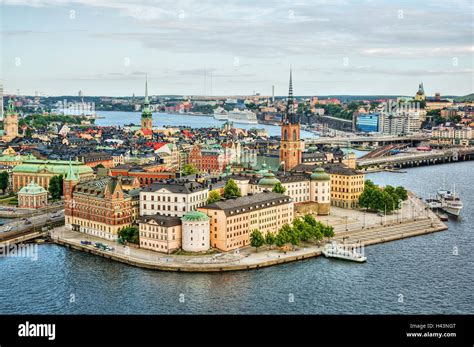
[
  {"x": 32, "y": 196},
  {"x": 368, "y": 122},
  {"x": 195, "y": 232},
  {"x": 41, "y": 172},
  {"x": 233, "y": 220},
  {"x": 98, "y": 207},
  {"x": 172, "y": 198},
  {"x": 160, "y": 233}
]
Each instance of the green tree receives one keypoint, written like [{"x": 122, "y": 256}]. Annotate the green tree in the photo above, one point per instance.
[
  {"x": 327, "y": 231},
  {"x": 189, "y": 169},
  {"x": 401, "y": 193},
  {"x": 231, "y": 190},
  {"x": 269, "y": 239},
  {"x": 256, "y": 239},
  {"x": 4, "y": 177},
  {"x": 56, "y": 187},
  {"x": 129, "y": 234},
  {"x": 278, "y": 188},
  {"x": 213, "y": 196},
  {"x": 280, "y": 239}
]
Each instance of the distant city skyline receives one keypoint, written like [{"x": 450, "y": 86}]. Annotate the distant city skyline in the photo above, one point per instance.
[{"x": 105, "y": 48}]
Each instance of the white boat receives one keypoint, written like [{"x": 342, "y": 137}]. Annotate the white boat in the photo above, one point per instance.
[
  {"x": 220, "y": 114},
  {"x": 244, "y": 116},
  {"x": 335, "y": 250},
  {"x": 450, "y": 202}
]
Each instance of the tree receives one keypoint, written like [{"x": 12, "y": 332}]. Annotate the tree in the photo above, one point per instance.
[
  {"x": 129, "y": 234},
  {"x": 189, "y": 169},
  {"x": 213, "y": 196},
  {"x": 401, "y": 193},
  {"x": 4, "y": 177},
  {"x": 327, "y": 231},
  {"x": 278, "y": 188},
  {"x": 270, "y": 239},
  {"x": 256, "y": 239},
  {"x": 56, "y": 187},
  {"x": 231, "y": 190}
]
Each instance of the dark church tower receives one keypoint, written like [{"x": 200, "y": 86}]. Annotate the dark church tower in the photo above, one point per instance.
[{"x": 290, "y": 145}]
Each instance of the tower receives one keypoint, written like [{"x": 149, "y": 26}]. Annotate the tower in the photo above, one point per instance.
[
  {"x": 420, "y": 94},
  {"x": 10, "y": 123},
  {"x": 146, "y": 119},
  {"x": 290, "y": 144}
]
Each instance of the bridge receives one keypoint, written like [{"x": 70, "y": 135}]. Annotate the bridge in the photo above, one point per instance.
[
  {"x": 369, "y": 141},
  {"x": 418, "y": 158}
]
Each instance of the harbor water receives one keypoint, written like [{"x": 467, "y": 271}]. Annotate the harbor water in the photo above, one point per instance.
[{"x": 429, "y": 274}]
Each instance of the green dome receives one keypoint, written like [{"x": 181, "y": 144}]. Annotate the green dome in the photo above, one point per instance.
[
  {"x": 32, "y": 188},
  {"x": 195, "y": 216},
  {"x": 268, "y": 179},
  {"x": 320, "y": 175}
]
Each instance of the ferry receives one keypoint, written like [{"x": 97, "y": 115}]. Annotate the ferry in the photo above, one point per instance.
[
  {"x": 335, "y": 250},
  {"x": 245, "y": 116},
  {"x": 450, "y": 202},
  {"x": 220, "y": 114},
  {"x": 446, "y": 201}
]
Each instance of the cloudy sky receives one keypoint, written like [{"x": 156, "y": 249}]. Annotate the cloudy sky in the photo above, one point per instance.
[{"x": 222, "y": 47}]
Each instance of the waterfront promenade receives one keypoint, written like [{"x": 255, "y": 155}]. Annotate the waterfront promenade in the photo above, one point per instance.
[{"x": 413, "y": 220}]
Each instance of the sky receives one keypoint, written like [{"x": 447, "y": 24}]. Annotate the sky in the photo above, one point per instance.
[{"x": 236, "y": 47}]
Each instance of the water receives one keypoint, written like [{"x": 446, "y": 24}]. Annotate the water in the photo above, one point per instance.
[
  {"x": 162, "y": 119},
  {"x": 422, "y": 271}
]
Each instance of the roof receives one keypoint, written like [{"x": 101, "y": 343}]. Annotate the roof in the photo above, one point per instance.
[
  {"x": 57, "y": 167},
  {"x": 33, "y": 189},
  {"x": 175, "y": 186},
  {"x": 249, "y": 202},
  {"x": 320, "y": 175},
  {"x": 166, "y": 221},
  {"x": 195, "y": 216},
  {"x": 268, "y": 179}
]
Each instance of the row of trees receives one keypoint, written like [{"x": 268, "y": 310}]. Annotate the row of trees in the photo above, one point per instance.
[
  {"x": 304, "y": 229},
  {"x": 4, "y": 178},
  {"x": 387, "y": 199}
]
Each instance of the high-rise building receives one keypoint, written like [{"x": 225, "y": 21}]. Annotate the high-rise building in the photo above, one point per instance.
[
  {"x": 147, "y": 117},
  {"x": 290, "y": 145}
]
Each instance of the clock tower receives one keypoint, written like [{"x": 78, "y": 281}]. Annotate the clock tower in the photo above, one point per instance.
[{"x": 290, "y": 145}]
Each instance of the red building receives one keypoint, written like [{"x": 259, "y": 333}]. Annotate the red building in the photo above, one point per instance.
[
  {"x": 145, "y": 174},
  {"x": 211, "y": 160}
]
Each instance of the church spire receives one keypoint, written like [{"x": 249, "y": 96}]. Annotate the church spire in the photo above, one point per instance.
[
  {"x": 70, "y": 175},
  {"x": 146, "y": 102}
]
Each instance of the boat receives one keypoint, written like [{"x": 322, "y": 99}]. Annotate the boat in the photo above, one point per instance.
[
  {"x": 335, "y": 250},
  {"x": 450, "y": 202},
  {"x": 244, "y": 116},
  {"x": 7, "y": 228},
  {"x": 443, "y": 217},
  {"x": 220, "y": 114}
]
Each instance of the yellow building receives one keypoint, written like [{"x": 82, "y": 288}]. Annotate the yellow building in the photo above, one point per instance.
[
  {"x": 41, "y": 172},
  {"x": 346, "y": 186},
  {"x": 160, "y": 233},
  {"x": 233, "y": 220},
  {"x": 10, "y": 123},
  {"x": 420, "y": 94}
]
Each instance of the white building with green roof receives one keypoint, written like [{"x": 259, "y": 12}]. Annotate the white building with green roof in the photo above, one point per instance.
[
  {"x": 32, "y": 196},
  {"x": 195, "y": 232}
]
